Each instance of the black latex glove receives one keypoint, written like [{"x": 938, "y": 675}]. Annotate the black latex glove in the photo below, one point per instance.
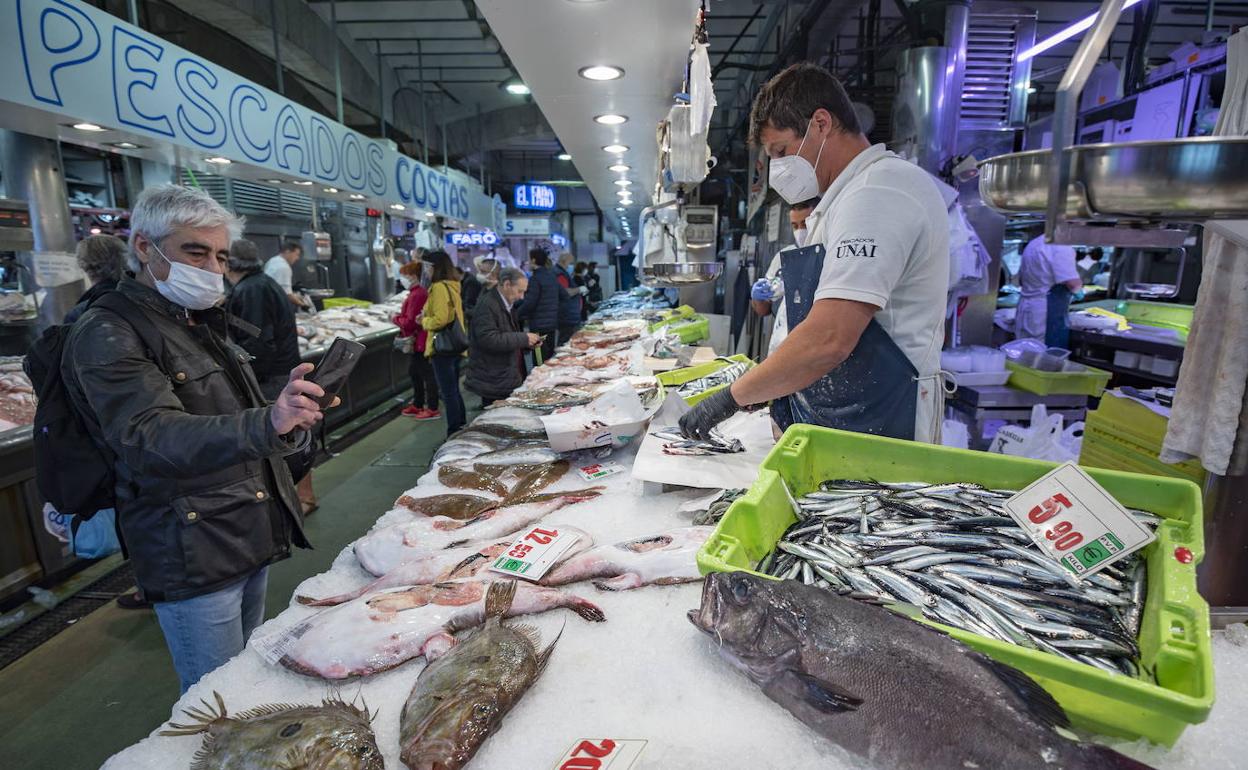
[{"x": 707, "y": 413}]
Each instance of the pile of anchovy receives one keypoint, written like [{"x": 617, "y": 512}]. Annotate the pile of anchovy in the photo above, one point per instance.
[
  {"x": 677, "y": 443},
  {"x": 953, "y": 552},
  {"x": 726, "y": 376}
]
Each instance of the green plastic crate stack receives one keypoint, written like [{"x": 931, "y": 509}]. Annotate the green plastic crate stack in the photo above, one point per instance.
[
  {"x": 1124, "y": 435},
  {"x": 1174, "y": 639}
]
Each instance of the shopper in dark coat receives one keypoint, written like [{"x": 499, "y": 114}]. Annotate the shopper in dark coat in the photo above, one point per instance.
[
  {"x": 495, "y": 343},
  {"x": 572, "y": 299},
  {"x": 542, "y": 302},
  {"x": 102, "y": 258},
  {"x": 205, "y": 501},
  {"x": 257, "y": 299}
]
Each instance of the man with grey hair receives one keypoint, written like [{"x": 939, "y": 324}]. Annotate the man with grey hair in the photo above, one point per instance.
[
  {"x": 257, "y": 299},
  {"x": 495, "y": 343},
  {"x": 203, "y": 495},
  {"x": 101, "y": 258}
]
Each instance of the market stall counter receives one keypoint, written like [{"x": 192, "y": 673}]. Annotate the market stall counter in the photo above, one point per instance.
[{"x": 607, "y": 656}]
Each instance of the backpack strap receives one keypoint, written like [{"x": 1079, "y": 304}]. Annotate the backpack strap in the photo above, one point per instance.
[{"x": 138, "y": 319}]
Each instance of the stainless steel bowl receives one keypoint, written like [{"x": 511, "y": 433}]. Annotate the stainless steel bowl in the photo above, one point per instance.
[
  {"x": 321, "y": 293},
  {"x": 1177, "y": 180},
  {"x": 675, "y": 274}
]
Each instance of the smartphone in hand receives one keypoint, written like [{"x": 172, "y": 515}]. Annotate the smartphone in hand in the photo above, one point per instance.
[{"x": 335, "y": 366}]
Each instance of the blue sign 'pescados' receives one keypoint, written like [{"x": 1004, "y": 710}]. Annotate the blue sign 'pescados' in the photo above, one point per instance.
[{"x": 71, "y": 61}]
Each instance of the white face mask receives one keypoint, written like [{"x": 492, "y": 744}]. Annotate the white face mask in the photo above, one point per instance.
[
  {"x": 188, "y": 286},
  {"x": 406, "y": 280},
  {"x": 799, "y": 237},
  {"x": 793, "y": 177}
]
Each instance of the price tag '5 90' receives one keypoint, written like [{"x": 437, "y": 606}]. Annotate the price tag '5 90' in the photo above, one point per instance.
[{"x": 1076, "y": 522}]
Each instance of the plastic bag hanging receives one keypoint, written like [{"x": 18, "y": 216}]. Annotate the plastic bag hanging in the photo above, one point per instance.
[{"x": 701, "y": 90}]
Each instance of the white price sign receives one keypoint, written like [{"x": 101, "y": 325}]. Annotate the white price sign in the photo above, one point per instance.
[
  {"x": 273, "y": 647},
  {"x": 601, "y": 754},
  {"x": 599, "y": 470},
  {"x": 534, "y": 552},
  {"x": 1076, "y": 522}
]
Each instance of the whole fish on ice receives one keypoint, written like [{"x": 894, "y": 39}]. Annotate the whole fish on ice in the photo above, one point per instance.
[
  {"x": 663, "y": 559},
  {"x": 460, "y": 478},
  {"x": 381, "y": 630},
  {"x": 452, "y": 506},
  {"x": 335, "y": 735},
  {"x": 498, "y": 462},
  {"x": 898, "y": 694},
  {"x": 450, "y": 564},
  {"x": 384, "y": 549},
  {"x": 461, "y": 698}
]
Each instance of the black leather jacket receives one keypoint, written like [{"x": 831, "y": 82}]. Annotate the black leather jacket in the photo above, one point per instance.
[
  {"x": 495, "y": 343},
  {"x": 203, "y": 494}
]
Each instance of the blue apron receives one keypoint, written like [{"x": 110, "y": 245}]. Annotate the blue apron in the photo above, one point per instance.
[
  {"x": 872, "y": 391},
  {"x": 1056, "y": 319}
]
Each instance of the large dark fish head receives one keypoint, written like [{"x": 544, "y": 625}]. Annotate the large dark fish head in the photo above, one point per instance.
[
  {"x": 453, "y": 728},
  {"x": 752, "y": 619}
]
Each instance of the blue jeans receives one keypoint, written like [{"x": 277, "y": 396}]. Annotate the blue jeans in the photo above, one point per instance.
[
  {"x": 205, "y": 631},
  {"x": 446, "y": 372}
]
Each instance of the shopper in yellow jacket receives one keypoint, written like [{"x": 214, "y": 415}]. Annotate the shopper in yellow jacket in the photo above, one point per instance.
[{"x": 443, "y": 308}]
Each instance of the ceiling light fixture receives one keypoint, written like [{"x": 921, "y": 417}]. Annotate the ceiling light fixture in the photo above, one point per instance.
[
  {"x": 220, "y": 161},
  {"x": 611, "y": 119},
  {"x": 302, "y": 183},
  {"x": 88, "y": 127},
  {"x": 429, "y": 213},
  {"x": 601, "y": 72},
  {"x": 518, "y": 89},
  {"x": 396, "y": 206},
  {"x": 1066, "y": 34},
  {"x": 616, "y": 149},
  {"x": 329, "y": 189},
  {"x": 356, "y": 197},
  {"x": 563, "y": 156},
  {"x": 620, "y": 167},
  {"x": 126, "y": 145},
  {"x": 623, "y": 183},
  {"x": 619, "y": 208},
  {"x": 271, "y": 181}
]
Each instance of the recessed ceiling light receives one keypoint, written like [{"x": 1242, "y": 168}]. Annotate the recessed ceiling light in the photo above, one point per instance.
[
  {"x": 563, "y": 156},
  {"x": 428, "y": 213},
  {"x": 623, "y": 183},
  {"x": 88, "y": 127},
  {"x": 396, "y": 206},
  {"x": 272, "y": 181},
  {"x": 329, "y": 189},
  {"x": 619, "y": 208},
  {"x": 611, "y": 119},
  {"x": 220, "y": 161},
  {"x": 356, "y": 197},
  {"x": 616, "y": 149},
  {"x": 302, "y": 183},
  {"x": 620, "y": 167},
  {"x": 601, "y": 72},
  {"x": 519, "y": 89},
  {"x": 126, "y": 145}
]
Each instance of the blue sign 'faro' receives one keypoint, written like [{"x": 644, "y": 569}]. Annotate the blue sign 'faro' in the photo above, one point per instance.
[
  {"x": 534, "y": 197},
  {"x": 472, "y": 238}
]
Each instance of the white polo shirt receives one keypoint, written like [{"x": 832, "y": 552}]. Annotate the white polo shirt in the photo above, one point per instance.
[
  {"x": 886, "y": 231},
  {"x": 279, "y": 270}
]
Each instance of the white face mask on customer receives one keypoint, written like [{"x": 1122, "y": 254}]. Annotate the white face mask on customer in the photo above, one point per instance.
[
  {"x": 406, "y": 280},
  {"x": 793, "y": 177},
  {"x": 799, "y": 237},
  {"x": 190, "y": 287}
]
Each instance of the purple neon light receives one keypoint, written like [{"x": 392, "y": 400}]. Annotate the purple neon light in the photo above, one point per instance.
[{"x": 1066, "y": 34}]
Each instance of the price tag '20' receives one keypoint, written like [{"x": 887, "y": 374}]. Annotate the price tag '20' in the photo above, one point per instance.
[{"x": 1076, "y": 522}]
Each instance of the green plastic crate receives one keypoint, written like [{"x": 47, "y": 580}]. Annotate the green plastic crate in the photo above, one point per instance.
[
  {"x": 689, "y": 373},
  {"x": 1115, "y": 450},
  {"x": 1090, "y": 382},
  {"x": 1174, "y": 636},
  {"x": 1167, "y": 315},
  {"x": 691, "y": 330},
  {"x": 674, "y": 315},
  {"x": 333, "y": 302}
]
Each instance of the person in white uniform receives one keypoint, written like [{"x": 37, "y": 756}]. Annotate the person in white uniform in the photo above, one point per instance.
[
  {"x": 279, "y": 269},
  {"x": 1043, "y": 268},
  {"x": 865, "y": 299},
  {"x": 767, "y": 293}
]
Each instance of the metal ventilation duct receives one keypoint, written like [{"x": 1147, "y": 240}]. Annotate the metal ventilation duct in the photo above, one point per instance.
[{"x": 994, "y": 88}]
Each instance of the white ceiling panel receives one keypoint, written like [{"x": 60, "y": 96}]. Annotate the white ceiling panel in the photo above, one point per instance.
[{"x": 549, "y": 41}]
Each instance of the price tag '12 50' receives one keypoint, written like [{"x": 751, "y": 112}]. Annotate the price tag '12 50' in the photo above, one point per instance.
[
  {"x": 1076, "y": 522},
  {"x": 534, "y": 552}
]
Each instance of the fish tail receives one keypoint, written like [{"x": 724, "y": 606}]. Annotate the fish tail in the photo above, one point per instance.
[
  {"x": 1105, "y": 758},
  {"x": 586, "y": 609},
  {"x": 499, "y": 597},
  {"x": 544, "y": 656}
]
